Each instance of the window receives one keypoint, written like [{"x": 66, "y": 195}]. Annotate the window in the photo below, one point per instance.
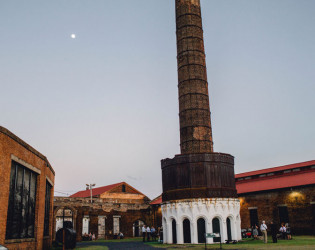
[
  {"x": 22, "y": 198},
  {"x": 123, "y": 187},
  {"x": 47, "y": 209},
  {"x": 262, "y": 175},
  {"x": 253, "y": 217},
  {"x": 313, "y": 212},
  {"x": 283, "y": 214}
]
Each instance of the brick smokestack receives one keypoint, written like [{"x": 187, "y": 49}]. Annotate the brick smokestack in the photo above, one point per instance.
[{"x": 194, "y": 109}]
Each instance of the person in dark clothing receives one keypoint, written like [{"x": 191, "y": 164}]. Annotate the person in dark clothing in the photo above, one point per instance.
[{"x": 273, "y": 232}]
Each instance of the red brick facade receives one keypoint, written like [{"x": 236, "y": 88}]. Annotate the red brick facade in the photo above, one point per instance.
[
  {"x": 13, "y": 148},
  {"x": 300, "y": 203}
]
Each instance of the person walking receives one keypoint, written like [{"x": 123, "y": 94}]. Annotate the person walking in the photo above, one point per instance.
[
  {"x": 263, "y": 229},
  {"x": 148, "y": 233},
  {"x": 273, "y": 232},
  {"x": 153, "y": 234},
  {"x": 255, "y": 232},
  {"x": 144, "y": 231}
]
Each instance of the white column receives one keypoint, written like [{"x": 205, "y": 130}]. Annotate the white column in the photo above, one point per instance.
[
  {"x": 223, "y": 231},
  {"x": 209, "y": 230},
  {"x": 169, "y": 238},
  {"x": 180, "y": 233},
  {"x": 194, "y": 232},
  {"x": 164, "y": 231},
  {"x": 238, "y": 227},
  {"x": 233, "y": 229}
]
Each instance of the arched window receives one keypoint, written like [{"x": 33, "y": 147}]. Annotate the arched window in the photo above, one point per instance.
[
  {"x": 186, "y": 231},
  {"x": 216, "y": 228},
  {"x": 174, "y": 232},
  {"x": 201, "y": 227},
  {"x": 228, "y": 228}
]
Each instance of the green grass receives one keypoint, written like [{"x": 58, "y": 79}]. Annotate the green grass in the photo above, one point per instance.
[{"x": 298, "y": 242}]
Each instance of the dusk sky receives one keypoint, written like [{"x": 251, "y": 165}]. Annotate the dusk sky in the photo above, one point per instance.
[{"x": 103, "y": 107}]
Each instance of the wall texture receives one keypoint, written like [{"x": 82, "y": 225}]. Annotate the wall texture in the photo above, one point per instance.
[
  {"x": 300, "y": 203},
  {"x": 12, "y": 147}
]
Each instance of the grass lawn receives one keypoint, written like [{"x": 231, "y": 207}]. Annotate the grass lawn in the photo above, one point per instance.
[{"x": 298, "y": 242}]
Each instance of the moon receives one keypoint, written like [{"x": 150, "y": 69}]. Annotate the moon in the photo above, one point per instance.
[{"x": 73, "y": 36}]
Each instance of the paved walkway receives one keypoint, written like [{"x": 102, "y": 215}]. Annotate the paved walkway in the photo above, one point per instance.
[{"x": 118, "y": 245}]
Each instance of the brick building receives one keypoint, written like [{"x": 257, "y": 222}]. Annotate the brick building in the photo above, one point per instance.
[
  {"x": 283, "y": 194},
  {"x": 115, "y": 208},
  {"x": 26, "y": 193},
  {"x": 280, "y": 194}
]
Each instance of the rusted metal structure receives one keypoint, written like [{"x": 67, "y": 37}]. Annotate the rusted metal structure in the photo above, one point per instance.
[{"x": 197, "y": 172}]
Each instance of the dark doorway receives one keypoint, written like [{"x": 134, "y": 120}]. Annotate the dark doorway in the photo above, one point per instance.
[
  {"x": 137, "y": 228},
  {"x": 186, "y": 227},
  {"x": 174, "y": 232},
  {"x": 313, "y": 212},
  {"x": 253, "y": 217},
  {"x": 216, "y": 228},
  {"x": 201, "y": 226},
  {"x": 228, "y": 227},
  {"x": 283, "y": 214}
]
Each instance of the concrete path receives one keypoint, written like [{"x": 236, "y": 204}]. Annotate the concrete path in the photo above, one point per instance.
[{"x": 118, "y": 245}]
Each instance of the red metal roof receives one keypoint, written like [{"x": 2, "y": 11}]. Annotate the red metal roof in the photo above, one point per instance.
[
  {"x": 281, "y": 168},
  {"x": 157, "y": 200},
  {"x": 95, "y": 191},
  {"x": 276, "y": 182}
]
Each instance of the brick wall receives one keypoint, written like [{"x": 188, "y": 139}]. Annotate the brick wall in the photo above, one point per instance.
[
  {"x": 299, "y": 202},
  {"x": 11, "y": 145},
  {"x": 128, "y": 212}
]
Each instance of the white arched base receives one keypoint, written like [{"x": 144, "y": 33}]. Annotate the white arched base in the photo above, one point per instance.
[{"x": 194, "y": 209}]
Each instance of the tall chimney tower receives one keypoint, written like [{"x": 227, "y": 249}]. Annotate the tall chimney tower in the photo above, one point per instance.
[
  {"x": 199, "y": 193},
  {"x": 194, "y": 110}
]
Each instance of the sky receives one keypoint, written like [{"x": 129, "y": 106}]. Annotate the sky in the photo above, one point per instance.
[{"x": 103, "y": 107}]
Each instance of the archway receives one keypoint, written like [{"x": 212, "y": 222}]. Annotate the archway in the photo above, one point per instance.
[
  {"x": 216, "y": 228},
  {"x": 64, "y": 218},
  {"x": 228, "y": 228},
  {"x": 186, "y": 230},
  {"x": 174, "y": 232},
  {"x": 201, "y": 227},
  {"x": 136, "y": 228}
]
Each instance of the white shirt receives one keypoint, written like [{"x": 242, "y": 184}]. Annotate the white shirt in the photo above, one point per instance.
[
  {"x": 263, "y": 227},
  {"x": 143, "y": 230},
  {"x": 283, "y": 229},
  {"x": 148, "y": 230}
]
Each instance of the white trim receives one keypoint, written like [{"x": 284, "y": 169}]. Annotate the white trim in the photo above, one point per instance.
[
  {"x": 251, "y": 208},
  {"x": 25, "y": 164},
  {"x": 50, "y": 181}
]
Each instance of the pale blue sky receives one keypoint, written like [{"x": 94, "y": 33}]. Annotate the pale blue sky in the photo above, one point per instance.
[{"x": 103, "y": 107}]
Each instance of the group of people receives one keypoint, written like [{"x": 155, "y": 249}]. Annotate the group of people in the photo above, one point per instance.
[
  {"x": 285, "y": 231},
  {"x": 89, "y": 236},
  {"x": 150, "y": 233}
]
